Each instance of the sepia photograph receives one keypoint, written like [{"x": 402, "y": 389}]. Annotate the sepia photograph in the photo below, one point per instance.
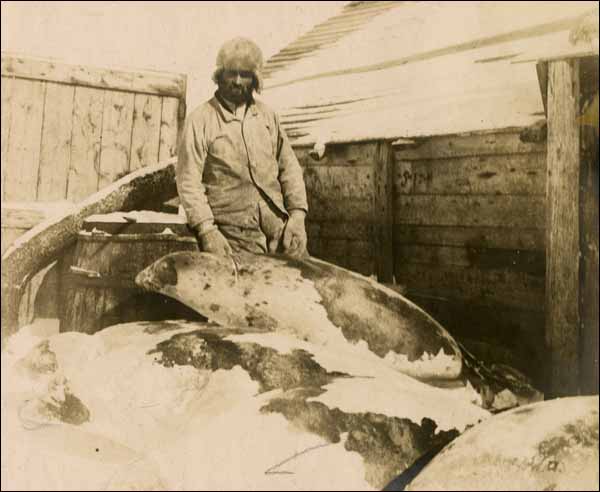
[{"x": 300, "y": 245}]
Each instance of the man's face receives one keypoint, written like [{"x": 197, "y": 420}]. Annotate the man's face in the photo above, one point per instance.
[{"x": 236, "y": 85}]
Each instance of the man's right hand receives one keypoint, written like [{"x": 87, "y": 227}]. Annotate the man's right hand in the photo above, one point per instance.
[{"x": 214, "y": 242}]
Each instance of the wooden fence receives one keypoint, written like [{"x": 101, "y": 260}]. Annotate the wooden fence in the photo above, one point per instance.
[
  {"x": 467, "y": 241},
  {"x": 68, "y": 131}
]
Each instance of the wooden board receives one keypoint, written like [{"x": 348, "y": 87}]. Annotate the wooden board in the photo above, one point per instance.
[
  {"x": 9, "y": 234},
  {"x": 588, "y": 237},
  {"x": 55, "y": 153},
  {"x": 16, "y": 217},
  {"x": 477, "y": 144},
  {"x": 339, "y": 182},
  {"x": 169, "y": 123},
  {"x": 472, "y": 237},
  {"x": 7, "y": 99},
  {"x": 45, "y": 298},
  {"x": 34, "y": 287},
  {"x": 530, "y": 262},
  {"x": 360, "y": 154},
  {"x": 562, "y": 222},
  {"x": 383, "y": 212},
  {"x": 464, "y": 210},
  {"x": 86, "y": 143},
  {"x": 24, "y": 216},
  {"x": 139, "y": 81},
  {"x": 340, "y": 229},
  {"x": 330, "y": 209},
  {"x": 588, "y": 299},
  {"x": 117, "y": 121},
  {"x": 487, "y": 287},
  {"x": 23, "y": 146},
  {"x": 145, "y": 135},
  {"x": 519, "y": 174},
  {"x": 359, "y": 264},
  {"x": 347, "y": 247}
]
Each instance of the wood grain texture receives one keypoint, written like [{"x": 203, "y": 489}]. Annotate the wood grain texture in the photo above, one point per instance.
[
  {"x": 159, "y": 83},
  {"x": 562, "y": 222},
  {"x": 588, "y": 236},
  {"x": 145, "y": 136},
  {"x": 530, "y": 262},
  {"x": 475, "y": 145},
  {"x": 86, "y": 143},
  {"x": 21, "y": 218},
  {"x": 7, "y": 86},
  {"x": 169, "y": 126},
  {"x": 383, "y": 212},
  {"x": 532, "y": 239},
  {"x": 471, "y": 210},
  {"x": 339, "y": 229},
  {"x": 22, "y": 159},
  {"x": 117, "y": 121},
  {"x": 490, "y": 287},
  {"x": 518, "y": 174},
  {"x": 55, "y": 153},
  {"x": 331, "y": 209},
  {"x": 94, "y": 303},
  {"x": 10, "y": 234},
  {"x": 346, "y": 155},
  {"x": 45, "y": 300},
  {"x": 339, "y": 182}
]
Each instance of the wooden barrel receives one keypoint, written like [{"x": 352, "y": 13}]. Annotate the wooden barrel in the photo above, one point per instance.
[{"x": 98, "y": 282}]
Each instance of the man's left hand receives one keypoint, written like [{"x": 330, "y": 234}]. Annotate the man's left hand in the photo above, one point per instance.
[{"x": 294, "y": 235}]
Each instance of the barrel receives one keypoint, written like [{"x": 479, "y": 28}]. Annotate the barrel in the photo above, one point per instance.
[{"x": 98, "y": 285}]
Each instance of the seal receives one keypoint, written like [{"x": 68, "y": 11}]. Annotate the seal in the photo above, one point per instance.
[
  {"x": 313, "y": 300},
  {"x": 330, "y": 306},
  {"x": 550, "y": 445}
]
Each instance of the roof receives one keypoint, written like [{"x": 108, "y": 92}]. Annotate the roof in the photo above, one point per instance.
[{"x": 409, "y": 69}]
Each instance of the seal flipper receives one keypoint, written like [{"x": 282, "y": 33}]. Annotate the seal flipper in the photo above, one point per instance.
[{"x": 501, "y": 387}]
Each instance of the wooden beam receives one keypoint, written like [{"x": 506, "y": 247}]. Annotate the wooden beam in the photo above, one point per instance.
[
  {"x": 22, "y": 215},
  {"x": 160, "y": 83},
  {"x": 562, "y": 229},
  {"x": 383, "y": 212},
  {"x": 518, "y": 174},
  {"x": 509, "y": 238},
  {"x": 471, "y": 210},
  {"x": 475, "y": 144},
  {"x": 588, "y": 232}
]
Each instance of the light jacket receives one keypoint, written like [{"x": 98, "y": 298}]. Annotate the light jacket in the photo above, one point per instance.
[{"x": 225, "y": 164}]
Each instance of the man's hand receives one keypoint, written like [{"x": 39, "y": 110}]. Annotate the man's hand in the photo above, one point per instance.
[
  {"x": 294, "y": 235},
  {"x": 214, "y": 242}
]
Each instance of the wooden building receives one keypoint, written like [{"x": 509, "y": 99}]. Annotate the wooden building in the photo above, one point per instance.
[
  {"x": 421, "y": 130},
  {"x": 68, "y": 131}
]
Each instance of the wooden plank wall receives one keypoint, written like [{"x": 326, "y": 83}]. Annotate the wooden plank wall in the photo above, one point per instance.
[
  {"x": 68, "y": 131},
  {"x": 341, "y": 204},
  {"x": 468, "y": 237},
  {"x": 469, "y": 240}
]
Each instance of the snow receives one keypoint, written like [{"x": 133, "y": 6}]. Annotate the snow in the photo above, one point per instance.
[{"x": 142, "y": 216}]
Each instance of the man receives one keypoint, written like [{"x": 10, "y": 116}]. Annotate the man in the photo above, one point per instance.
[{"x": 238, "y": 178}]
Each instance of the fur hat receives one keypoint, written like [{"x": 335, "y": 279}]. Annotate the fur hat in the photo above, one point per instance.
[{"x": 240, "y": 54}]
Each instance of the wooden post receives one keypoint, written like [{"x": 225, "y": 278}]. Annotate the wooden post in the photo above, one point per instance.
[
  {"x": 383, "y": 209},
  {"x": 562, "y": 229},
  {"x": 588, "y": 228}
]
